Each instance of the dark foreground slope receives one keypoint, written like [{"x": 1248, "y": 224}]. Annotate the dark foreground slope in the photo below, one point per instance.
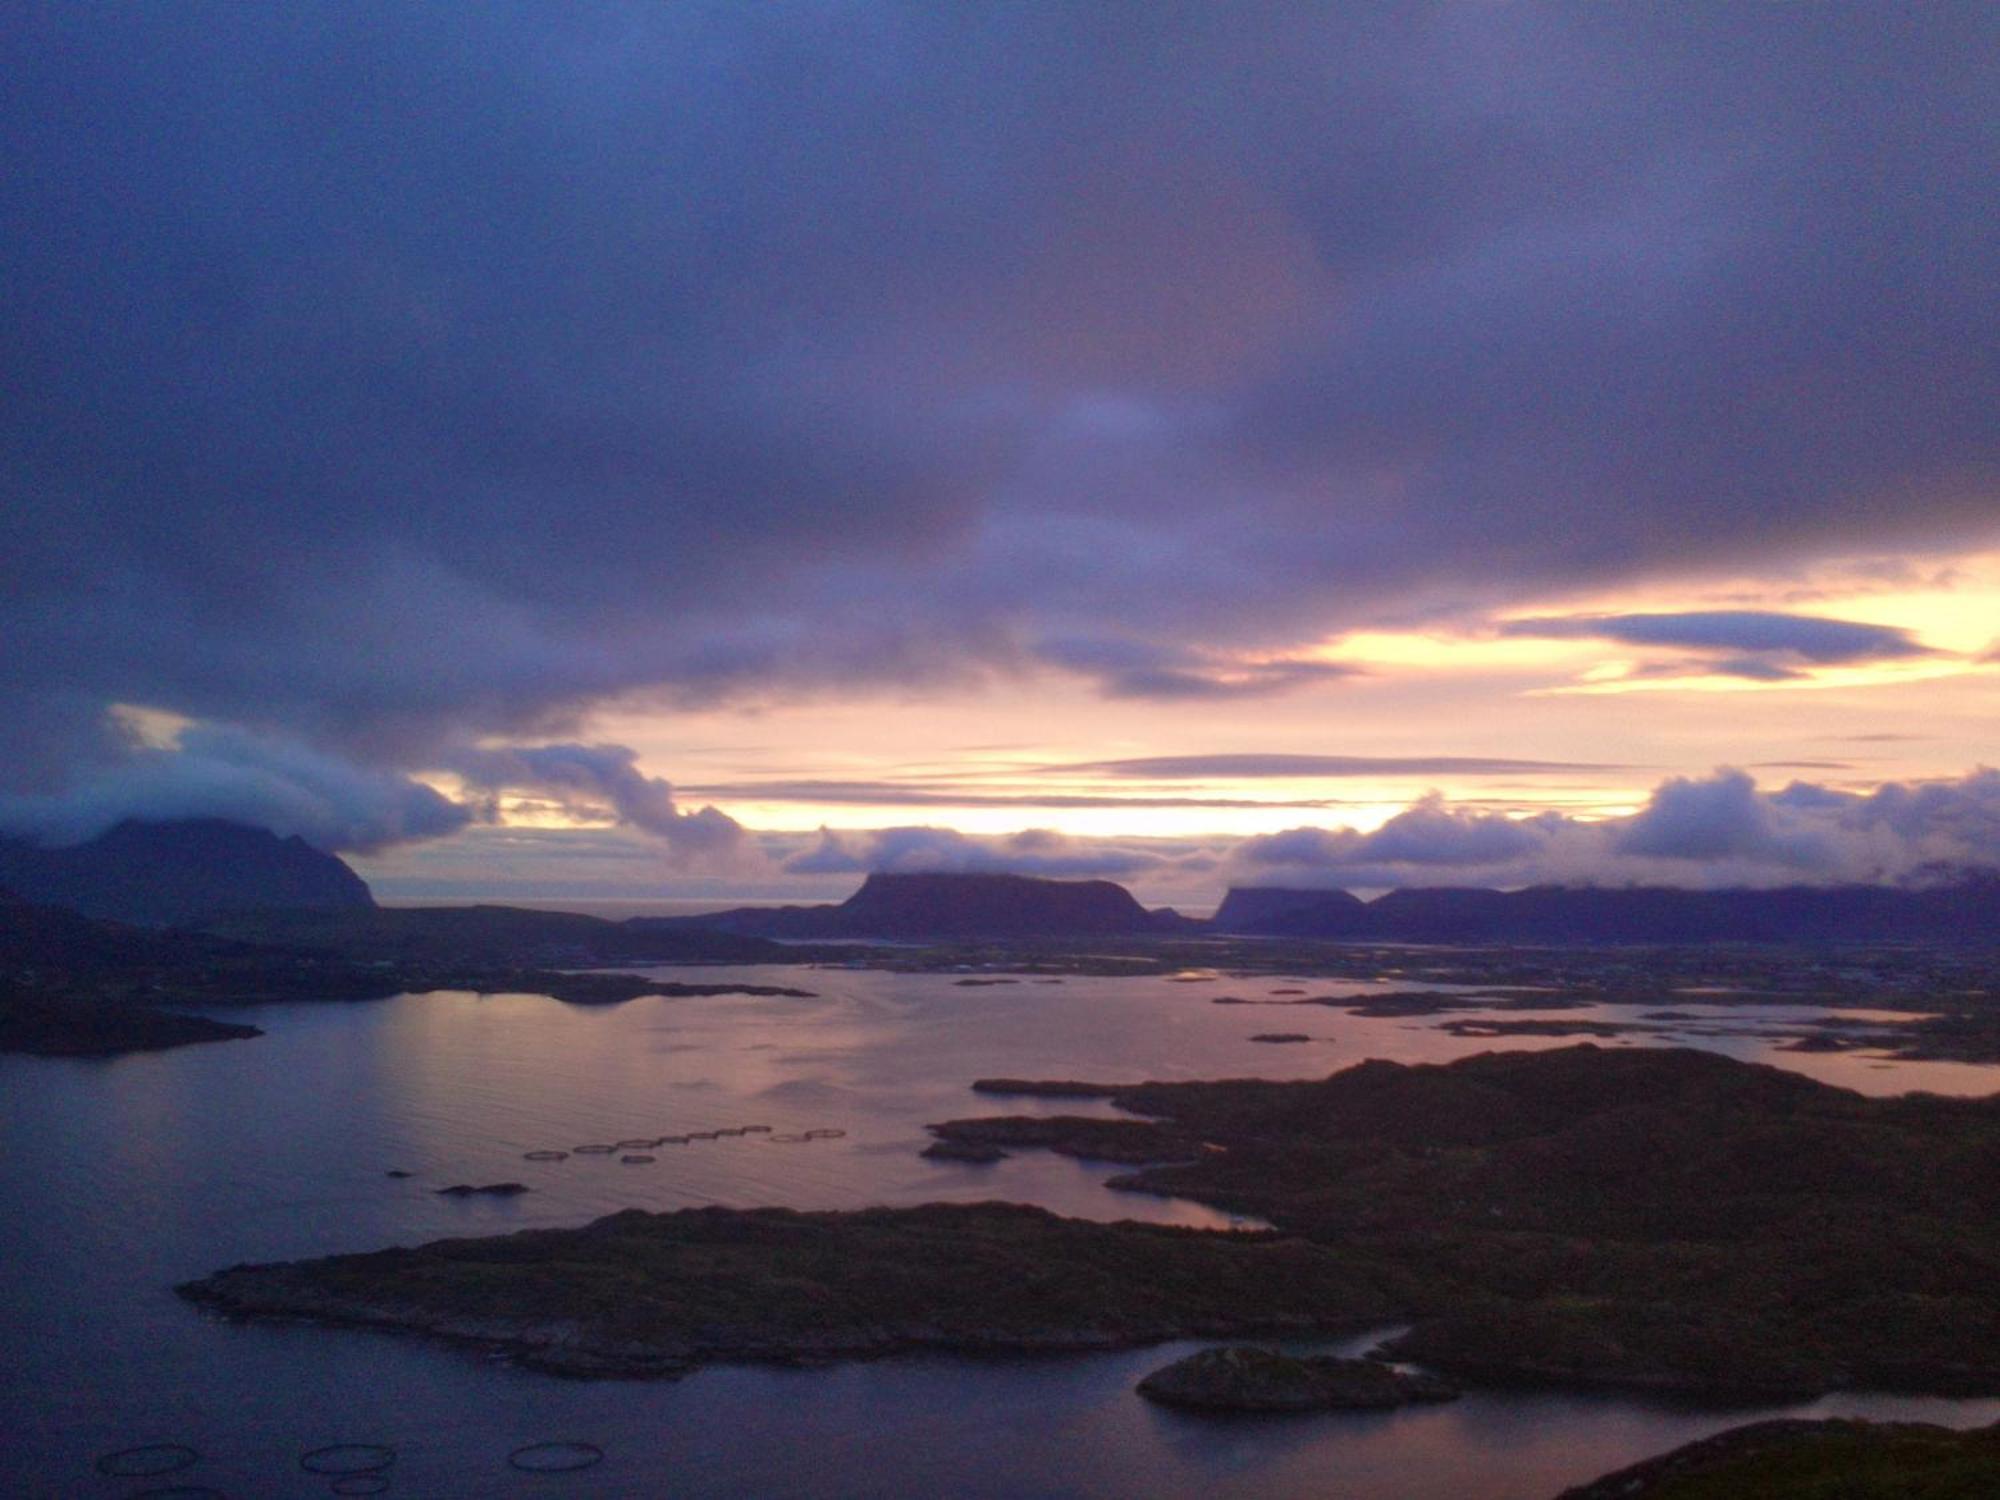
[
  {"x": 639, "y": 1294},
  {"x": 1648, "y": 1218},
  {"x": 180, "y": 872},
  {"x": 1833, "y": 1460}
]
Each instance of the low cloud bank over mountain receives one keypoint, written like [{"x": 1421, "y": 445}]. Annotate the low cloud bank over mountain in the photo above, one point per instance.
[{"x": 1713, "y": 831}]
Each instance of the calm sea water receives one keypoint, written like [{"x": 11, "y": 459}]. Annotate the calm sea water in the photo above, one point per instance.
[{"x": 120, "y": 1178}]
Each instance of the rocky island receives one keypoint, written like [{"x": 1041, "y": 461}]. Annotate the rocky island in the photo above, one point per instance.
[
  {"x": 650, "y": 1295},
  {"x": 1248, "y": 1379}
]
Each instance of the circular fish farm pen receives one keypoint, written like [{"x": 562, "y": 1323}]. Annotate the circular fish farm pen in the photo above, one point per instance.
[
  {"x": 374, "y": 1482},
  {"x": 340, "y": 1460},
  {"x": 594, "y": 1150},
  {"x": 640, "y": 1143},
  {"x": 673, "y": 1140},
  {"x": 555, "y": 1458},
  {"x": 638, "y": 1160},
  {"x": 147, "y": 1460},
  {"x": 824, "y": 1135},
  {"x": 544, "y": 1156},
  {"x": 784, "y": 1140}
]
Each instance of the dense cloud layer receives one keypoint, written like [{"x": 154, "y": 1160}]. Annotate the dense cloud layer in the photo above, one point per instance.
[
  {"x": 1033, "y": 851},
  {"x": 387, "y": 377},
  {"x": 1713, "y": 831},
  {"x": 277, "y": 784}
]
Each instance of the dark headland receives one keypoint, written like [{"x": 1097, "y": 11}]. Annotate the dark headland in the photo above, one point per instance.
[{"x": 101, "y": 943}]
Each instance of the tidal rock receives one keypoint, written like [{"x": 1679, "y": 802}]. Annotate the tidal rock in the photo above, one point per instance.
[
  {"x": 972, "y": 1151},
  {"x": 1245, "y": 1378},
  {"x": 489, "y": 1189}
]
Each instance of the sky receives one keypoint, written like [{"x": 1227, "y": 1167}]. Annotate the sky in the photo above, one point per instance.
[{"x": 603, "y": 453}]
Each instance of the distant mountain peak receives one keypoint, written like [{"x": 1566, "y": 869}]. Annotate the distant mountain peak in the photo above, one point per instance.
[{"x": 179, "y": 871}]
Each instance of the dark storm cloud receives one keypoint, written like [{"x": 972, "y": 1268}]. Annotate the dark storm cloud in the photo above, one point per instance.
[{"x": 386, "y": 376}]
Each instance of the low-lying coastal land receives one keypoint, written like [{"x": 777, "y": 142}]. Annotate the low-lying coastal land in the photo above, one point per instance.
[
  {"x": 1659, "y": 1220},
  {"x": 655, "y": 1295},
  {"x": 72, "y": 985},
  {"x": 1655, "y": 1219}
]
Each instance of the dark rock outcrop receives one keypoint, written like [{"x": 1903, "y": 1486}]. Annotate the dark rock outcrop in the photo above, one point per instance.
[
  {"x": 1244, "y": 1378},
  {"x": 483, "y": 1190}
]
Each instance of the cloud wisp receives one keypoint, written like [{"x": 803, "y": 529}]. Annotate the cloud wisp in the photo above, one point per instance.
[
  {"x": 1249, "y": 765},
  {"x": 1754, "y": 645}
]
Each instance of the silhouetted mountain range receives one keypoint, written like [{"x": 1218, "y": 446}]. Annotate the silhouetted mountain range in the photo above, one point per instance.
[
  {"x": 181, "y": 872},
  {"x": 250, "y": 884},
  {"x": 1965, "y": 909}
]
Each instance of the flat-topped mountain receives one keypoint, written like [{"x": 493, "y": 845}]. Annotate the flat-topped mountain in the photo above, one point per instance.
[
  {"x": 1964, "y": 910},
  {"x": 180, "y": 872},
  {"x": 958, "y": 906}
]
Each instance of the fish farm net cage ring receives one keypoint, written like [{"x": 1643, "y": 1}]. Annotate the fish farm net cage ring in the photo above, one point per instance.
[
  {"x": 641, "y": 1143},
  {"x": 147, "y": 1460},
  {"x": 639, "y": 1160},
  {"x": 374, "y": 1482},
  {"x": 595, "y": 1150},
  {"x": 555, "y": 1458},
  {"x": 544, "y": 1156},
  {"x": 347, "y": 1458}
]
